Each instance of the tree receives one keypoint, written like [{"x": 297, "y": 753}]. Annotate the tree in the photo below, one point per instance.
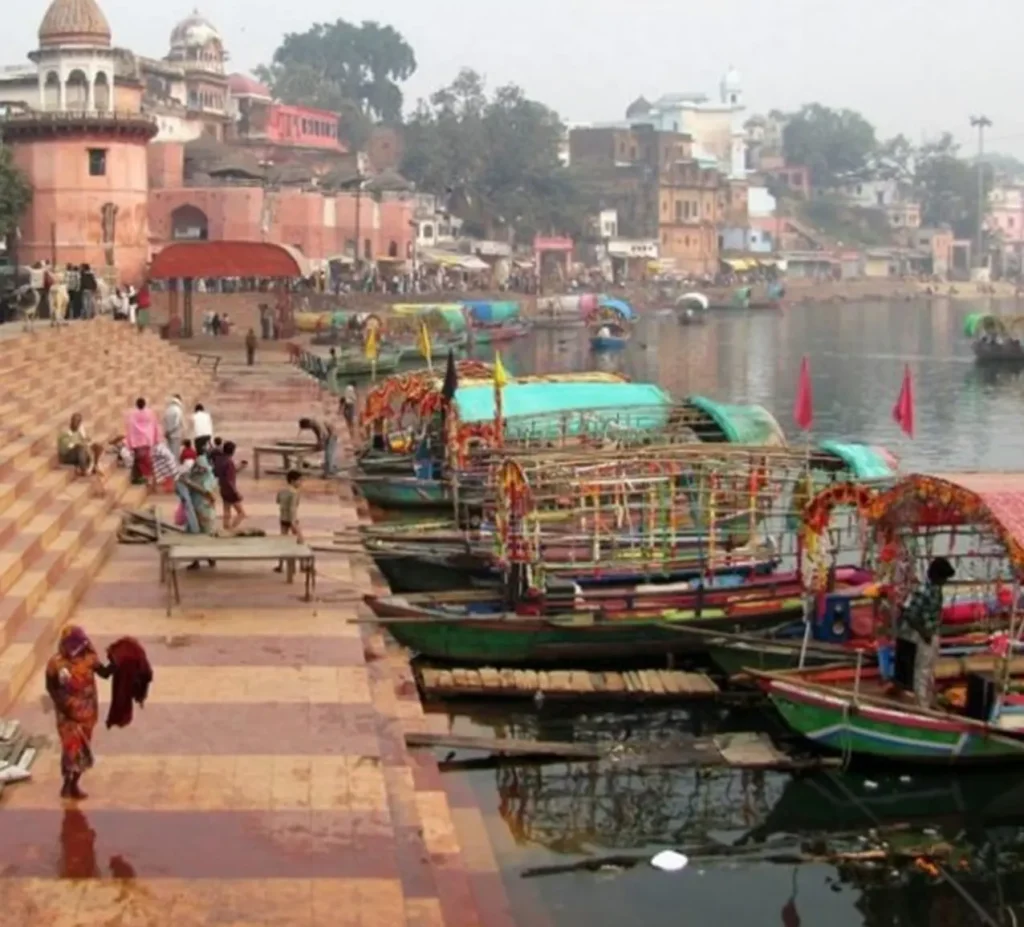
[
  {"x": 495, "y": 160},
  {"x": 15, "y": 193},
  {"x": 352, "y": 70},
  {"x": 833, "y": 144},
  {"x": 947, "y": 186}
]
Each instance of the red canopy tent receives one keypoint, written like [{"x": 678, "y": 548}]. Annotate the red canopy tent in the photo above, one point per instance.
[{"x": 188, "y": 261}]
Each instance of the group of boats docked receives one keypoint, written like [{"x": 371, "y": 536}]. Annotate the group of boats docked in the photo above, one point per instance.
[{"x": 596, "y": 525}]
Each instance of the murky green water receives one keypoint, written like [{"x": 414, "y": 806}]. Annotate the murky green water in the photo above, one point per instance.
[{"x": 544, "y": 816}]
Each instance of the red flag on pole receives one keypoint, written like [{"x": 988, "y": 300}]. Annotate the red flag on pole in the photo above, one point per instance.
[
  {"x": 903, "y": 411},
  {"x": 803, "y": 408}
]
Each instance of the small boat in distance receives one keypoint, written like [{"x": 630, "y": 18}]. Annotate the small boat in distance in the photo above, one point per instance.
[
  {"x": 692, "y": 309},
  {"x": 996, "y": 339}
]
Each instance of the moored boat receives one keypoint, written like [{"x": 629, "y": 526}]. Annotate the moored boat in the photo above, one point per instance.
[{"x": 977, "y": 713}]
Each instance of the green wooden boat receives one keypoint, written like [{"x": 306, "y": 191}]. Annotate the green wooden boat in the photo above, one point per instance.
[
  {"x": 514, "y": 640},
  {"x": 389, "y": 491},
  {"x": 855, "y": 718}
]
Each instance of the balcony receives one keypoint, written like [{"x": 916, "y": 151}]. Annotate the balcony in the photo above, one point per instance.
[{"x": 40, "y": 124}]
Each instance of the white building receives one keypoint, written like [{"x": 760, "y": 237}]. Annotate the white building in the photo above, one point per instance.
[{"x": 715, "y": 125}]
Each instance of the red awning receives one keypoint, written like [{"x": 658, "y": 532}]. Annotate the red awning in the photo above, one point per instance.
[{"x": 227, "y": 259}]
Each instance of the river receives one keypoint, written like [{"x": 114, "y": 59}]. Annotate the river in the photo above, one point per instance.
[{"x": 542, "y": 816}]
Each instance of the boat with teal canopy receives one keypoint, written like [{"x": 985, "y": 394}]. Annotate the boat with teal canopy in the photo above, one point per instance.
[
  {"x": 542, "y": 410},
  {"x": 487, "y": 312},
  {"x": 620, "y": 307},
  {"x": 736, "y": 424},
  {"x": 865, "y": 462}
]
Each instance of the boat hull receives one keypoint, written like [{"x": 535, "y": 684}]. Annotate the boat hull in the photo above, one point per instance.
[
  {"x": 836, "y": 722},
  {"x": 503, "y": 640},
  {"x": 400, "y": 492},
  {"x": 599, "y": 343},
  {"x": 1007, "y": 352}
]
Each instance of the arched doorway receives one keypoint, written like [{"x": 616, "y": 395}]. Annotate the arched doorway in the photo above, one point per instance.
[
  {"x": 76, "y": 92},
  {"x": 101, "y": 93},
  {"x": 189, "y": 223}
]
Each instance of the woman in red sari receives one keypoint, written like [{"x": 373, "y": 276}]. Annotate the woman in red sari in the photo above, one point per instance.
[{"x": 71, "y": 681}]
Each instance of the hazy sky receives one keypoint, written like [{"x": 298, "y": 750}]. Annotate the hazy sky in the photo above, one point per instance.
[{"x": 908, "y": 65}]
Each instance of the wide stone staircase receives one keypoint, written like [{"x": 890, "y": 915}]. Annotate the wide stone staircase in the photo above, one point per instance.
[{"x": 57, "y": 529}]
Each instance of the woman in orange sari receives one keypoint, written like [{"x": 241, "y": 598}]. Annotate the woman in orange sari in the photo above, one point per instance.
[{"x": 71, "y": 682}]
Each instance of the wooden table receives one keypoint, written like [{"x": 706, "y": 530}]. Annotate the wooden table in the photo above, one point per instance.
[
  {"x": 190, "y": 548},
  {"x": 286, "y": 451}
]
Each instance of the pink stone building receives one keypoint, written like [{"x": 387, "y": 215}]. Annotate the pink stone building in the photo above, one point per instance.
[{"x": 107, "y": 156}]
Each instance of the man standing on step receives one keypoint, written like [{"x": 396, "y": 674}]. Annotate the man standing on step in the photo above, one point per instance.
[{"x": 174, "y": 425}]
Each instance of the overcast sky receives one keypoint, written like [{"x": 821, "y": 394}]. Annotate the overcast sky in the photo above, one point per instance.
[{"x": 907, "y": 65}]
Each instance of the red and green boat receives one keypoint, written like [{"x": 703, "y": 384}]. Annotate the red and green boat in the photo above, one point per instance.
[{"x": 856, "y": 713}]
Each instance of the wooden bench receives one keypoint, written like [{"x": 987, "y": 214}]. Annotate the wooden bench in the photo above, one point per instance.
[
  {"x": 190, "y": 548},
  {"x": 286, "y": 451},
  {"x": 212, "y": 359}
]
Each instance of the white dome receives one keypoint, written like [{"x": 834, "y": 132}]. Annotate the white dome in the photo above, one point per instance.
[
  {"x": 194, "y": 31},
  {"x": 732, "y": 81}
]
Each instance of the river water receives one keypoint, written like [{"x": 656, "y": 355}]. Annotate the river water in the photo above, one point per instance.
[{"x": 544, "y": 816}]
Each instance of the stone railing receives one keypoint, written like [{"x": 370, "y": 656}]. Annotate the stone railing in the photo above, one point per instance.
[{"x": 42, "y": 120}]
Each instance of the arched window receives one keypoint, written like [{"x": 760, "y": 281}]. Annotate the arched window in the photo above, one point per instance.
[
  {"x": 51, "y": 91},
  {"x": 76, "y": 91},
  {"x": 189, "y": 223},
  {"x": 101, "y": 93},
  {"x": 367, "y": 249},
  {"x": 393, "y": 249}
]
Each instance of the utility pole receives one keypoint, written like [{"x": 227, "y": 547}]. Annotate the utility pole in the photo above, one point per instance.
[{"x": 981, "y": 123}]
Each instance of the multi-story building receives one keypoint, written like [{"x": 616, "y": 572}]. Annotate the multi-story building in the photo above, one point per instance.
[
  {"x": 126, "y": 153},
  {"x": 658, "y": 189},
  {"x": 1005, "y": 220}
]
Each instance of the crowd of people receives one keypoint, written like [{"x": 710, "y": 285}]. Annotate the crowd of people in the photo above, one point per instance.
[{"x": 179, "y": 452}]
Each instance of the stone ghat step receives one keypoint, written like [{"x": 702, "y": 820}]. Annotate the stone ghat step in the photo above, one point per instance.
[
  {"x": 20, "y": 408},
  {"x": 20, "y": 659},
  {"x": 117, "y": 376},
  {"x": 490, "y": 682}
]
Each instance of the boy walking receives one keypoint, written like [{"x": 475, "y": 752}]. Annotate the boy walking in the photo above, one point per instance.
[{"x": 288, "y": 510}]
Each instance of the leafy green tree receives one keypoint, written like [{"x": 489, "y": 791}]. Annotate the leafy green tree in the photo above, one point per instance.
[
  {"x": 947, "y": 186},
  {"x": 494, "y": 159},
  {"x": 15, "y": 193},
  {"x": 833, "y": 144},
  {"x": 353, "y": 70}
]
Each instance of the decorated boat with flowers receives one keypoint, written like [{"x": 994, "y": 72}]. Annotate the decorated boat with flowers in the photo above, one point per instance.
[{"x": 975, "y": 521}]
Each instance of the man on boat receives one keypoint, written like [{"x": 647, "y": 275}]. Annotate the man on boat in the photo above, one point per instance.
[{"x": 920, "y": 621}]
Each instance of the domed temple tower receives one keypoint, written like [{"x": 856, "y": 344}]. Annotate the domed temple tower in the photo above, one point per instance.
[
  {"x": 84, "y": 150},
  {"x": 198, "y": 49}
]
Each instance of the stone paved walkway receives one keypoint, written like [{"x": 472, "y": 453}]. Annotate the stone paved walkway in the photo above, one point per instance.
[{"x": 266, "y": 781}]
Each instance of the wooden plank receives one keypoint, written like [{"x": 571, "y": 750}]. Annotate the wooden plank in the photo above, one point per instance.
[{"x": 504, "y": 745}]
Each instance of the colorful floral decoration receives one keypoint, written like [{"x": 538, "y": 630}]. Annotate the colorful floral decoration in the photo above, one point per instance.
[
  {"x": 817, "y": 515},
  {"x": 514, "y": 501}
]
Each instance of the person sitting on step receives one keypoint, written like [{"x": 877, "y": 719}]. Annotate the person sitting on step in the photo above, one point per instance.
[{"x": 75, "y": 450}]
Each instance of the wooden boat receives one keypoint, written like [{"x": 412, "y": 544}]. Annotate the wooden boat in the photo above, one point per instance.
[
  {"x": 454, "y": 634},
  {"x": 852, "y": 712},
  {"x": 996, "y": 339},
  {"x": 611, "y": 342},
  {"x": 437, "y": 563},
  {"x": 499, "y": 334},
  {"x": 391, "y": 491},
  {"x": 449, "y": 567}
]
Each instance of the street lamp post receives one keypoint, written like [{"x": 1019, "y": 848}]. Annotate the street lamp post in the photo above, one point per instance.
[{"x": 981, "y": 123}]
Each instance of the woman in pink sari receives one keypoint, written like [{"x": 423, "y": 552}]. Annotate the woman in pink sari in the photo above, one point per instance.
[{"x": 142, "y": 434}]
